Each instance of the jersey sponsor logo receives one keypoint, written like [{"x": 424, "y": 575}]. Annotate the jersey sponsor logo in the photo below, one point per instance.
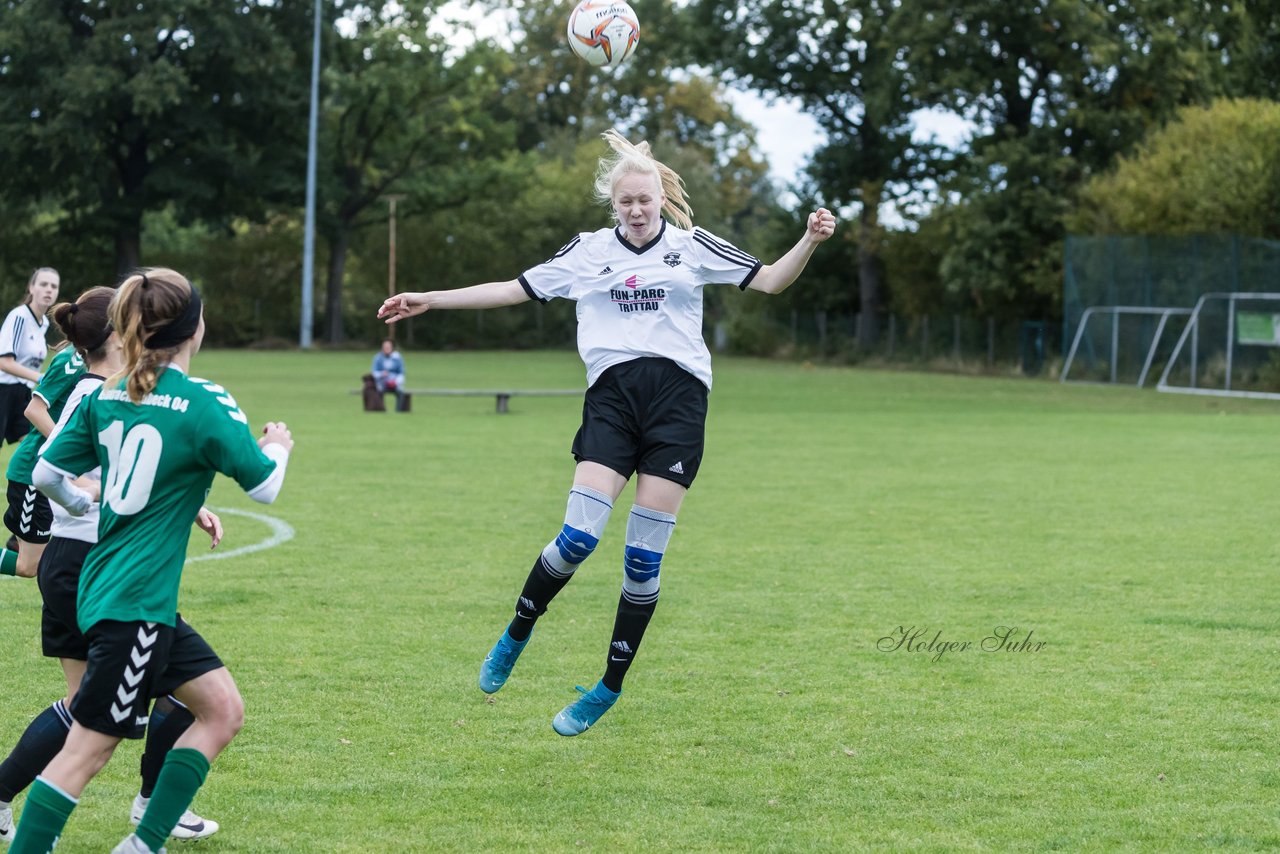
[
  {"x": 641, "y": 299},
  {"x": 671, "y": 259},
  {"x": 164, "y": 401},
  {"x": 606, "y": 271},
  {"x": 634, "y": 281}
]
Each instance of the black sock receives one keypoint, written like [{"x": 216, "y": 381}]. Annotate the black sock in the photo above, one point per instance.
[
  {"x": 628, "y": 629},
  {"x": 539, "y": 589},
  {"x": 36, "y": 748},
  {"x": 168, "y": 722}
]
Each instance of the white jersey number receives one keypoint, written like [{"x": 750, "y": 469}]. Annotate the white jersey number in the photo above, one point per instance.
[{"x": 132, "y": 460}]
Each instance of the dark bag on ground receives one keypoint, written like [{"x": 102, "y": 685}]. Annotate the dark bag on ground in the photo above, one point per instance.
[{"x": 373, "y": 401}]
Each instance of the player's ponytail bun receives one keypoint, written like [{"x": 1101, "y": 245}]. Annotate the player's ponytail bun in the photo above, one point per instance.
[
  {"x": 147, "y": 305},
  {"x": 632, "y": 159},
  {"x": 84, "y": 322}
]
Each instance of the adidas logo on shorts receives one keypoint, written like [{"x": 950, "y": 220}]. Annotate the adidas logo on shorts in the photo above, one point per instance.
[{"x": 677, "y": 468}]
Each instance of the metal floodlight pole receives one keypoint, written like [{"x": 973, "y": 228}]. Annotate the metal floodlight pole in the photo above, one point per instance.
[{"x": 309, "y": 228}]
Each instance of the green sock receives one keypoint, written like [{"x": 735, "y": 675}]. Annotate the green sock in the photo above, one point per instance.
[
  {"x": 180, "y": 778},
  {"x": 43, "y": 818},
  {"x": 8, "y": 562}
]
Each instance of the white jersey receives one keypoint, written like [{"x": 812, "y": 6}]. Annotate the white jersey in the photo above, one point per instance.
[
  {"x": 22, "y": 337},
  {"x": 83, "y": 528},
  {"x": 641, "y": 301}
]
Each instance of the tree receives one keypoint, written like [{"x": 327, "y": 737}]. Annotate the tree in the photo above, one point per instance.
[
  {"x": 402, "y": 114},
  {"x": 125, "y": 109},
  {"x": 841, "y": 60},
  {"x": 1056, "y": 90},
  {"x": 1215, "y": 170}
]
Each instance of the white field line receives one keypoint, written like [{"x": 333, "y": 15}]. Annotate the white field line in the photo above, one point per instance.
[{"x": 281, "y": 532}]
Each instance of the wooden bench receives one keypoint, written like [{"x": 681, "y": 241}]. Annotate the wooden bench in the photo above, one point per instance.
[{"x": 501, "y": 396}]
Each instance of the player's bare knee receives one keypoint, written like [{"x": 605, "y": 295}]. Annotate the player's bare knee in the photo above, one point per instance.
[{"x": 228, "y": 715}]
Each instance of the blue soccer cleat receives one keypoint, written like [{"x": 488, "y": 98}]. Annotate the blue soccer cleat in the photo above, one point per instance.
[
  {"x": 580, "y": 715},
  {"x": 498, "y": 663}
]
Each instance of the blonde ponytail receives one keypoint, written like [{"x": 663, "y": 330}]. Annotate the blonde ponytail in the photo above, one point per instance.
[{"x": 144, "y": 303}]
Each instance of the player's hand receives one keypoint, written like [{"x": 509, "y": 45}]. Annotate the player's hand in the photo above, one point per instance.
[
  {"x": 403, "y": 305},
  {"x": 276, "y": 433},
  {"x": 91, "y": 485},
  {"x": 821, "y": 225},
  {"x": 208, "y": 521}
]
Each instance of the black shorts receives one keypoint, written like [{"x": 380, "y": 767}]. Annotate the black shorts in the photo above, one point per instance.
[
  {"x": 28, "y": 515},
  {"x": 131, "y": 663},
  {"x": 647, "y": 415},
  {"x": 14, "y": 398},
  {"x": 59, "y": 580}
]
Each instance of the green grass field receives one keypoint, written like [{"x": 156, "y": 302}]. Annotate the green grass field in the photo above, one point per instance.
[{"x": 1132, "y": 534}]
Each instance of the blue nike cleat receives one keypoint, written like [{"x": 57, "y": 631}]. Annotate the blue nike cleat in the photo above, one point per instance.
[
  {"x": 580, "y": 715},
  {"x": 498, "y": 663}
]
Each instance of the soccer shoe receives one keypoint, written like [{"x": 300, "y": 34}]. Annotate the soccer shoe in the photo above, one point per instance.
[
  {"x": 6, "y": 825},
  {"x": 131, "y": 844},
  {"x": 580, "y": 715},
  {"x": 190, "y": 826},
  {"x": 498, "y": 663}
]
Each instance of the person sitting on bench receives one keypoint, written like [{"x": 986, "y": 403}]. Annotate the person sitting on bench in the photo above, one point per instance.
[{"x": 388, "y": 372}]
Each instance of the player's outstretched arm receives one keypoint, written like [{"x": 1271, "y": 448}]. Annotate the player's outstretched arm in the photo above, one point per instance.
[
  {"x": 777, "y": 277},
  {"x": 488, "y": 295}
]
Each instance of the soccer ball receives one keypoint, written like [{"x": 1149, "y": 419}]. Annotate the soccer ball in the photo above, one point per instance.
[{"x": 604, "y": 33}]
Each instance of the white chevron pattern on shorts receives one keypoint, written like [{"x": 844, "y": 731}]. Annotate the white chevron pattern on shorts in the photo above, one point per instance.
[
  {"x": 28, "y": 509},
  {"x": 127, "y": 692}
]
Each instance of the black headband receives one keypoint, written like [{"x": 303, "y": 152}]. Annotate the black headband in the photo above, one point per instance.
[{"x": 180, "y": 328}]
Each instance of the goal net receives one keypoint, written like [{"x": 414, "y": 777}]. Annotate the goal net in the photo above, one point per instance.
[{"x": 1230, "y": 347}]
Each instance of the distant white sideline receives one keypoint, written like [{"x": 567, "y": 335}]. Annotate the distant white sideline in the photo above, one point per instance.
[{"x": 281, "y": 532}]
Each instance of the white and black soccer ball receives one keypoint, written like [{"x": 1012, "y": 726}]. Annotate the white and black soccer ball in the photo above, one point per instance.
[{"x": 604, "y": 33}]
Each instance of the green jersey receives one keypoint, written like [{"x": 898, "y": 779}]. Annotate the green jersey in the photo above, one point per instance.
[
  {"x": 54, "y": 387},
  {"x": 158, "y": 460}
]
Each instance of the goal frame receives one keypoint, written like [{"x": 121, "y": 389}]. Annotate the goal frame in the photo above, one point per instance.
[
  {"x": 1116, "y": 311},
  {"x": 1192, "y": 332}
]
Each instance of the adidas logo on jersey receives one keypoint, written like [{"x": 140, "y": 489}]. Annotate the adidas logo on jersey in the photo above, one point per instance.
[
  {"x": 606, "y": 271},
  {"x": 677, "y": 468}
]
